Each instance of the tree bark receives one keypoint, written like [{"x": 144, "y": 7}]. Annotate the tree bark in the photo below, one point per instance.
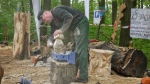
[
  {"x": 43, "y": 29},
  {"x": 22, "y": 7},
  {"x": 135, "y": 63},
  {"x": 47, "y": 5},
  {"x": 114, "y": 11},
  {"x": 31, "y": 8},
  {"x": 21, "y": 36},
  {"x": 65, "y": 2},
  {"x": 141, "y": 3},
  {"x": 125, "y": 21},
  {"x": 102, "y": 7},
  {"x": 61, "y": 72}
]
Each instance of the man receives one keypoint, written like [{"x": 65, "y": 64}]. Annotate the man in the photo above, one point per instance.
[{"x": 64, "y": 18}]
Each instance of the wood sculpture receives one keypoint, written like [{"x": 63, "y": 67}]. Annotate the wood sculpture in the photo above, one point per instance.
[
  {"x": 100, "y": 62},
  {"x": 58, "y": 44}
]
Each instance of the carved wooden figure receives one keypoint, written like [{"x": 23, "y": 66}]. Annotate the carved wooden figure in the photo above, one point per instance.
[{"x": 58, "y": 44}]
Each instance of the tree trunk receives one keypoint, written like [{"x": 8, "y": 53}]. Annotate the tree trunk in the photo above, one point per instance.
[
  {"x": 43, "y": 29},
  {"x": 21, "y": 36},
  {"x": 47, "y": 5},
  {"x": 114, "y": 11},
  {"x": 31, "y": 8},
  {"x": 65, "y": 2},
  {"x": 141, "y": 3},
  {"x": 22, "y": 6},
  {"x": 102, "y": 7},
  {"x": 125, "y": 24}
]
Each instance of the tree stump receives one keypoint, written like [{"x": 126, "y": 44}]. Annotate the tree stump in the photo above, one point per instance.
[
  {"x": 61, "y": 72},
  {"x": 21, "y": 39},
  {"x": 100, "y": 62}
]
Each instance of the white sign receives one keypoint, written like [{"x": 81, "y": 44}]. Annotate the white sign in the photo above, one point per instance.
[
  {"x": 140, "y": 23},
  {"x": 97, "y": 17}
]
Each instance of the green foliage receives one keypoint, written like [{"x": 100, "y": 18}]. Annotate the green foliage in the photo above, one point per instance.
[
  {"x": 146, "y": 3},
  {"x": 8, "y": 8},
  {"x": 78, "y": 5},
  {"x": 55, "y": 3}
]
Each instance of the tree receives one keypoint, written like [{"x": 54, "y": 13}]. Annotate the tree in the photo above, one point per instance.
[
  {"x": 46, "y": 6},
  {"x": 65, "y": 2},
  {"x": 102, "y": 7},
  {"x": 31, "y": 8},
  {"x": 114, "y": 11},
  {"x": 125, "y": 22}
]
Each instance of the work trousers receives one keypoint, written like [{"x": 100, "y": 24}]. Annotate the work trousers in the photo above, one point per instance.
[{"x": 81, "y": 47}]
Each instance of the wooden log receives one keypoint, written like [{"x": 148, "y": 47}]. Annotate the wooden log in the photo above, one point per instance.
[
  {"x": 21, "y": 39},
  {"x": 62, "y": 72},
  {"x": 134, "y": 63},
  {"x": 125, "y": 61}
]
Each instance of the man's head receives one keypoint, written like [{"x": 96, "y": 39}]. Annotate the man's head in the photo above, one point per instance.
[{"x": 45, "y": 16}]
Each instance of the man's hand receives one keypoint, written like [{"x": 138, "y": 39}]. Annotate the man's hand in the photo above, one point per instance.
[
  {"x": 57, "y": 32},
  {"x": 49, "y": 43}
]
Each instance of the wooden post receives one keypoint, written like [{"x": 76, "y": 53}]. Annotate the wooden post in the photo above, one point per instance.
[
  {"x": 62, "y": 72},
  {"x": 21, "y": 36}
]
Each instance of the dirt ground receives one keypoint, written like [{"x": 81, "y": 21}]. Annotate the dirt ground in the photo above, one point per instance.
[{"x": 14, "y": 70}]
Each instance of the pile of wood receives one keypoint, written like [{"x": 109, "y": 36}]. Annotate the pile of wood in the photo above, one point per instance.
[{"x": 125, "y": 61}]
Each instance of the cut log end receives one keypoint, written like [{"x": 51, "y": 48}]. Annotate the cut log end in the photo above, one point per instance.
[
  {"x": 135, "y": 63},
  {"x": 62, "y": 72}
]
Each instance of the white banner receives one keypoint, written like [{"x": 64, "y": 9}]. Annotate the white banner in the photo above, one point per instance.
[
  {"x": 36, "y": 9},
  {"x": 140, "y": 23}
]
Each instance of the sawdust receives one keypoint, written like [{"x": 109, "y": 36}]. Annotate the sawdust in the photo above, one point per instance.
[{"x": 15, "y": 69}]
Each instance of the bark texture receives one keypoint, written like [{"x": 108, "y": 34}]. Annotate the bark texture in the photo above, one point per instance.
[
  {"x": 62, "y": 72},
  {"x": 21, "y": 36}
]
